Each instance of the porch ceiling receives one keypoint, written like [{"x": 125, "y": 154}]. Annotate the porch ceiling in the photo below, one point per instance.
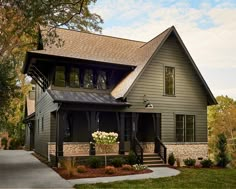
[{"x": 85, "y": 98}]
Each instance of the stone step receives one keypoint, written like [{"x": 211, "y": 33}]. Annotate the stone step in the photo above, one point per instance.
[
  {"x": 153, "y": 162},
  {"x": 152, "y": 158},
  {"x": 157, "y": 165}
]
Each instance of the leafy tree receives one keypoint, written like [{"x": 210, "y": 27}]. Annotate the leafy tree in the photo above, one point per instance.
[
  {"x": 222, "y": 119},
  {"x": 19, "y": 25},
  {"x": 221, "y": 156}
]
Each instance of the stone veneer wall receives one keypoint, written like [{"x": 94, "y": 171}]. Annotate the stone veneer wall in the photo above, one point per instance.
[
  {"x": 148, "y": 147},
  {"x": 76, "y": 148},
  {"x": 196, "y": 151}
]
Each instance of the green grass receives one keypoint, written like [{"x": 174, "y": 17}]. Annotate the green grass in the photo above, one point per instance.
[{"x": 188, "y": 178}]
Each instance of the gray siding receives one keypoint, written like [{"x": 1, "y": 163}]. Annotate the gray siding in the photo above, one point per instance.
[
  {"x": 190, "y": 96},
  {"x": 44, "y": 107}
]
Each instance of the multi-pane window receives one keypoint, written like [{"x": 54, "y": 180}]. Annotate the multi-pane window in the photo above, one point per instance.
[
  {"x": 185, "y": 128},
  {"x": 169, "y": 80},
  {"x": 74, "y": 77},
  {"x": 101, "y": 80},
  {"x": 60, "y": 76},
  {"x": 88, "y": 78},
  {"x": 80, "y": 78}
]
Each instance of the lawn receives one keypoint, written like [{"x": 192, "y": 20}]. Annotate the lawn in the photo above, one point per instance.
[{"x": 188, "y": 178}]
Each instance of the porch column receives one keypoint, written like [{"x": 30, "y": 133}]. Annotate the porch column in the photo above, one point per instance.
[
  {"x": 121, "y": 128},
  {"x": 92, "y": 127},
  {"x": 61, "y": 118},
  {"x": 135, "y": 117}
]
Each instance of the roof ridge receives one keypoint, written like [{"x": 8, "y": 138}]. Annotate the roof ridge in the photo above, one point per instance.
[
  {"x": 156, "y": 36},
  {"x": 101, "y": 35}
]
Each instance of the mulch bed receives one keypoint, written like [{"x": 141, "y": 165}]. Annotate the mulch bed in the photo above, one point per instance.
[{"x": 99, "y": 172}]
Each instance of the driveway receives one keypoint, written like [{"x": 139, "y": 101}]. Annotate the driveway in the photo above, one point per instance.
[{"x": 19, "y": 169}]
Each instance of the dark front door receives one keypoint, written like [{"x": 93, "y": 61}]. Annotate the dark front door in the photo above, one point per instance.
[{"x": 32, "y": 136}]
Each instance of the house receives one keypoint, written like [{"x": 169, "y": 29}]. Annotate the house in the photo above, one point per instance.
[{"x": 151, "y": 93}]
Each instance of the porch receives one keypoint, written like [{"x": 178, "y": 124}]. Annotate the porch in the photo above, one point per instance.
[{"x": 139, "y": 132}]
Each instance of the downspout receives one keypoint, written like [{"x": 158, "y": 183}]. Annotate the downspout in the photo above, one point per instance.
[{"x": 57, "y": 125}]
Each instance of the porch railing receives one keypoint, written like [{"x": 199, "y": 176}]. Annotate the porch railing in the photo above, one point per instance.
[
  {"x": 138, "y": 150},
  {"x": 160, "y": 148}
]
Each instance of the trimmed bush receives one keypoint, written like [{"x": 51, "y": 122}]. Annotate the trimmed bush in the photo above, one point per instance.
[
  {"x": 131, "y": 158},
  {"x": 171, "y": 159},
  {"x": 81, "y": 169},
  {"x": 14, "y": 144},
  {"x": 94, "y": 162},
  {"x": 206, "y": 163},
  {"x": 117, "y": 162},
  {"x": 222, "y": 158},
  {"x": 189, "y": 162},
  {"x": 127, "y": 167},
  {"x": 110, "y": 170}
]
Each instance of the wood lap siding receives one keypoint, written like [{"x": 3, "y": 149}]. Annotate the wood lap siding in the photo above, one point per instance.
[
  {"x": 190, "y": 96},
  {"x": 44, "y": 107}
]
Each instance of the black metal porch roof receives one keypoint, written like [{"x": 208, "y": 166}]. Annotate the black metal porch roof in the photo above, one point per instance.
[{"x": 84, "y": 98}]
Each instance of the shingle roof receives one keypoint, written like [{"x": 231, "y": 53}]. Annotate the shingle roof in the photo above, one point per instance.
[
  {"x": 142, "y": 56},
  {"x": 30, "y": 103},
  {"x": 114, "y": 50},
  {"x": 85, "y": 97},
  {"x": 94, "y": 47}
]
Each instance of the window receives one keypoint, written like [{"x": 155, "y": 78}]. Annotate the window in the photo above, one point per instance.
[
  {"x": 60, "y": 76},
  {"x": 88, "y": 79},
  {"x": 101, "y": 80},
  {"x": 42, "y": 124},
  {"x": 74, "y": 77},
  {"x": 169, "y": 81},
  {"x": 38, "y": 126},
  {"x": 185, "y": 128}
]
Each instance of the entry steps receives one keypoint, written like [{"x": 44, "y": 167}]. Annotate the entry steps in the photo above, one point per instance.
[{"x": 153, "y": 160}]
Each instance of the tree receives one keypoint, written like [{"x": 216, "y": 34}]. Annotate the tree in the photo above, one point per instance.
[
  {"x": 105, "y": 141},
  {"x": 20, "y": 21},
  {"x": 222, "y": 119}
]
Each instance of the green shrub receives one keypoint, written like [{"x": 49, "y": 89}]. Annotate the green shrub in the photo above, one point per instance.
[
  {"x": 127, "y": 167},
  {"x": 222, "y": 158},
  {"x": 206, "y": 163},
  {"x": 171, "y": 159},
  {"x": 110, "y": 170},
  {"x": 189, "y": 162},
  {"x": 81, "y": 169},
  {"x": 4, "y": 142},
  {"x": 94, "y": 162},
  {"x": 131, "y": 158},
  {"x": 14, "y": 144},
  {"x": 117, "y": 162}
]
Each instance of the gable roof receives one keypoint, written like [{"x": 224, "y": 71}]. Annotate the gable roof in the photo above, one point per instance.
[
  {"x": 113, "y": 50},
  {"x": 145, "y": 54}
]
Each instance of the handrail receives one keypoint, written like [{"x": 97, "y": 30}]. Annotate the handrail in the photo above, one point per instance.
[
  {"x": 160, "y": 148},
  {"x": 138, "y": 150}
]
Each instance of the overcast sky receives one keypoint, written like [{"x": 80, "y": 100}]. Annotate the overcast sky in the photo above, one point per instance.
[{"x": 207, "y": 27}]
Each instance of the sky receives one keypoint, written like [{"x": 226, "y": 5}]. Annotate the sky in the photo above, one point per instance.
[{"x": 207, "y": 28}]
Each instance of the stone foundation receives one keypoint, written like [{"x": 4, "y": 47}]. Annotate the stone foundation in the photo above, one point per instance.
[
  {"x": 78, "y": 148},
  {"x": 184, "y": 151},
  {"x": 70, "y": 148},
  {"x": 148, "y": 147}
]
